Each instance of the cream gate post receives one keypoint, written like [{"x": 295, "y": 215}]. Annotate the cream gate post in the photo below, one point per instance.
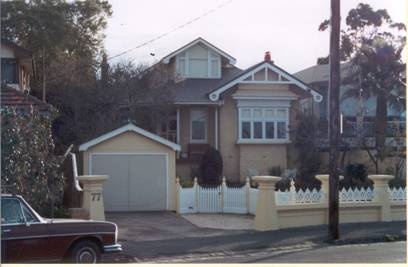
[
  {"x": 381, "y": 189},
  {"x": 266, "y": 215},
  {"x": 92, "y": 195}
]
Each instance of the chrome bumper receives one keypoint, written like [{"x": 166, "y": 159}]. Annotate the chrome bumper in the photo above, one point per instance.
[{"x": 112, "y": 248}]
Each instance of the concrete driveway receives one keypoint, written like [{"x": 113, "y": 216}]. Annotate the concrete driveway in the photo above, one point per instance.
[
  {"x": 161, "y": 225},
  {"x": 150, "y": 234}
]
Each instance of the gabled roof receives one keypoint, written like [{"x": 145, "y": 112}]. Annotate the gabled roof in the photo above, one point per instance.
[
  {"x": 320, "y": 73},
  {"x": 196, "y": 90},
  {"x": 241, "y": 76},
  {"x": 130, "y": 127},
  {"x": 231, "y": 59},
  {"x": 11, "y": 97},
  {"x": 20, "y": 51}
]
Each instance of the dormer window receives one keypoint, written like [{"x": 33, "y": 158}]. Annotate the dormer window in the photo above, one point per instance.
[{"x": 198, "y": 62}]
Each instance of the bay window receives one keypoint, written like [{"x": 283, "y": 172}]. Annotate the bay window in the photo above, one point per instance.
[{"x": 263, "y": 124}]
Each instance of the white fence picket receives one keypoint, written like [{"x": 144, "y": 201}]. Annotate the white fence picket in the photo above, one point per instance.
[
  {"x": 187, "y": 200},
  {"x": 244, "y": 199},
  {"x": 234, "y": 200},
  {"x": 209, "y": 199}
]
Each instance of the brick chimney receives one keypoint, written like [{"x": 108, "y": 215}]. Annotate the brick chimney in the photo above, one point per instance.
[{"x": 267, "y": 57}]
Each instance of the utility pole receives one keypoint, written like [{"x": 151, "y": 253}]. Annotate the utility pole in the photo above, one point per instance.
[{"x": 334, "y": 120}]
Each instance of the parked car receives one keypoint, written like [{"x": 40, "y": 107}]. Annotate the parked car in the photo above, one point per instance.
[{"x": 28, "y": 237}]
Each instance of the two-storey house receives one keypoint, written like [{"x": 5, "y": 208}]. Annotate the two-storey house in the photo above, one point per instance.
[{"x": 245, "y": 114}]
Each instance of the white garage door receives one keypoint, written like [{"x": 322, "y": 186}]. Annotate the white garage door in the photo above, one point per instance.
[{"x": 136, "y": 182}]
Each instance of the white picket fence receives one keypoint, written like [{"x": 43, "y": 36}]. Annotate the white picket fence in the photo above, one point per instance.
[{"x": 242, "y": 200}]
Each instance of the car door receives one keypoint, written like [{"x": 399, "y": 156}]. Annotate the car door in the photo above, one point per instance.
[{"x": 24, "y": 237}]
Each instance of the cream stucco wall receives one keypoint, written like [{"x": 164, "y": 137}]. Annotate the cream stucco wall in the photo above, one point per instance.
[
  {"x": 238, "y": 158},
  {"x": 228, "y": 118},
  {"x": 130, "y": 142},
  {"x": 261, "y": 157},
  {"x": 317, "y": 214}
]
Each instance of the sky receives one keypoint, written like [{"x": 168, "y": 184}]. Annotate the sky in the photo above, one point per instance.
[{"x": 245, "y": 29}]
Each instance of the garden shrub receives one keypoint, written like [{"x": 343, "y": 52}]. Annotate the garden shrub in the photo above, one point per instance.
[
  {"x": 211, "y": 168},
  {"x": 355, "y": 176},
  {"x": 397, "y": 183},
  {"x": 28, "y": 166},
  {"x": 284, "y": 183}
]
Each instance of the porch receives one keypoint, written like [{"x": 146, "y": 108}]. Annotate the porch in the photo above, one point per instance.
[{"x": 195, "y": 128}]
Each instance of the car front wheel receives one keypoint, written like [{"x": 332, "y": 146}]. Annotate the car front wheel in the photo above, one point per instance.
[{"x": 85, "y": 252}]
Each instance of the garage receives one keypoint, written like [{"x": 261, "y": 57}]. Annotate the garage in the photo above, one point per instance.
[{"x": 140, "y": 165}]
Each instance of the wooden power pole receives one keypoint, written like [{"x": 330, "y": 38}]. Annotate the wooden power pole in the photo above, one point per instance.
[{"x": 334, "y": 120}]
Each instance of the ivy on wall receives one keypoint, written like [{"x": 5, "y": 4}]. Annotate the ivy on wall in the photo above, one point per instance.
[{"x": 28, "y": 166}]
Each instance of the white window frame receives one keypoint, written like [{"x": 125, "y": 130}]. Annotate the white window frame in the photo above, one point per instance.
[
  {"x": 187, "y": 57},
  {"x": 263, "y": 119},
  {"x": 199, "y": 141}
]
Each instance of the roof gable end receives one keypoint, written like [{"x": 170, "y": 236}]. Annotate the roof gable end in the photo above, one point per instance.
[
  {"x": 199, "y": 40},
  {"x": 130, "y": 127},
  {"x": 248, "y": 76}
]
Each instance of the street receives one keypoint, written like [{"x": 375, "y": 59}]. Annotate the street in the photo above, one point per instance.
[{"x": 392, "y": 252}]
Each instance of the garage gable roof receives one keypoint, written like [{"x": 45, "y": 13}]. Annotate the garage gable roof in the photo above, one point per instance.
[{"x": 130, "y": 127}]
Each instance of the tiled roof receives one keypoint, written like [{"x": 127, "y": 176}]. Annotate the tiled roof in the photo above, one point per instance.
[
  {"x": 190, "y": 90},
  {"x": 11, "y": 97}
]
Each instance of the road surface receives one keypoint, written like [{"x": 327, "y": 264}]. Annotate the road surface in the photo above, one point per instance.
[{"x": 390, "y": 252}]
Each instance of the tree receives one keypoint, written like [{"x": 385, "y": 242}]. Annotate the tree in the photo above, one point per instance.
[
  {"x": 57, "y": 32},
  {"x": 211, "y": 167},
  {"x": 372, "y": 44},
  {"x": 29, "y": 166},
  {"x": 306, "y": 141}
]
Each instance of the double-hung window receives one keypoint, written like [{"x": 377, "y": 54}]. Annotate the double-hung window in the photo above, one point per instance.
[
  {"x": 263, "y": 124},
  {"x": 198, "y": 126}
]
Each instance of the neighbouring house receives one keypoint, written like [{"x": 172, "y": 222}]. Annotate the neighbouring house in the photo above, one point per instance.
[
  {"x": 245, "y": 114},
  {"x": 16, "y": 72},
  {"x": 351, "y": 108},
  {"x": 16, "y": 66}
]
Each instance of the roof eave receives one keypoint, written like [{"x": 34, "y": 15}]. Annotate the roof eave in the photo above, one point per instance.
[{"x": 130, "y": 127}]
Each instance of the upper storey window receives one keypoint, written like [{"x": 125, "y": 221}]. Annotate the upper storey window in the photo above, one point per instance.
[{"x": 198, "y": 62}]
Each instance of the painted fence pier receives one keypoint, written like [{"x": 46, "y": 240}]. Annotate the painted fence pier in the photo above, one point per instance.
[{"x": 296, "y": 208}]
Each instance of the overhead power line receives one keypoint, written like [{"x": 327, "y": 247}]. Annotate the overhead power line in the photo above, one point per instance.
[
  {"x": 171, "y": 31},
  {"x": 151, "y": 40}
]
